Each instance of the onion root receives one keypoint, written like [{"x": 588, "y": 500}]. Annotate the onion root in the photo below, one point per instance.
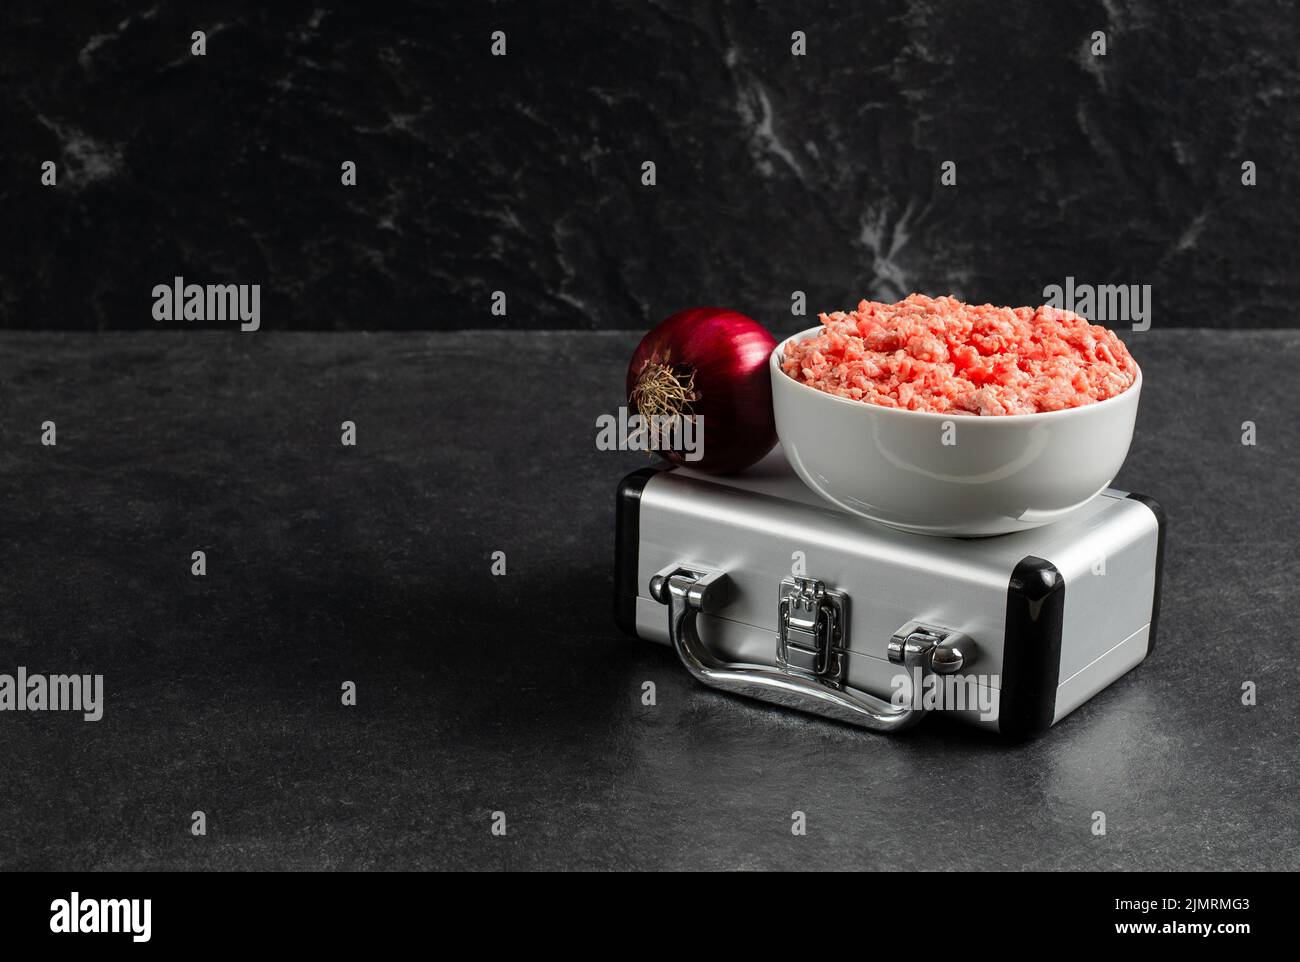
[{"x": 661, "y": 395}]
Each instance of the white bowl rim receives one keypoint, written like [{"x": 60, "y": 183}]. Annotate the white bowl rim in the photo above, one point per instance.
[{"x": 779, "y": 350}]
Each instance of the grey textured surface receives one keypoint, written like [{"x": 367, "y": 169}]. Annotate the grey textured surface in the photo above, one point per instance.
[
  {"x": 479, "y": 694},
  {"x": 522, "y": 173}
]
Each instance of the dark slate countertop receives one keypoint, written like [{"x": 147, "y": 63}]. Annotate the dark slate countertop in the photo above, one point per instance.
[{"x": 479, "y": 694}]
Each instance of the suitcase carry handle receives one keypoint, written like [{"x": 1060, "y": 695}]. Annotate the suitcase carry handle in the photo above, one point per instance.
[{"x": 686, "y": 592}]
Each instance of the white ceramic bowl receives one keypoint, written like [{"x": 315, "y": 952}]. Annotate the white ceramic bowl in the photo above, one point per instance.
[{"x": 1003, "y": 474}]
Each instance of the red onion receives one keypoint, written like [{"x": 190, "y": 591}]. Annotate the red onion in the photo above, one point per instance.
[{"x": 711, "y": 363}]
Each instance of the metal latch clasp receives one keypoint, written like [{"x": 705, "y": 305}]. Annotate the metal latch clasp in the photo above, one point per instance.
[{"x": 812, "y": 625}]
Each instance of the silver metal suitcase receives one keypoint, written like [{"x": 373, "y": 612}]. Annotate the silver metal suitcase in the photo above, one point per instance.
[{"x": 765, "y": 590}]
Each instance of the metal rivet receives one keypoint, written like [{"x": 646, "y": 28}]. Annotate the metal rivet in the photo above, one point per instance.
[{"x": 946, "y": 661}]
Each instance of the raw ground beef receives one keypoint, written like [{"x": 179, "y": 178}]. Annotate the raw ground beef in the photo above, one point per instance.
[{"x": 938, "y": 354}]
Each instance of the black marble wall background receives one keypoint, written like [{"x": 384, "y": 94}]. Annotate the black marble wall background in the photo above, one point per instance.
[{"x": 775, "y": 173}]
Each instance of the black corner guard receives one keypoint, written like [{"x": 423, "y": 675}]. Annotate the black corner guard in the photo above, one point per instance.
[
  {"x": 627, "y": 546},
  {"x": 1031, "y": 660},
  {"x": 1159, "y": 512}
]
